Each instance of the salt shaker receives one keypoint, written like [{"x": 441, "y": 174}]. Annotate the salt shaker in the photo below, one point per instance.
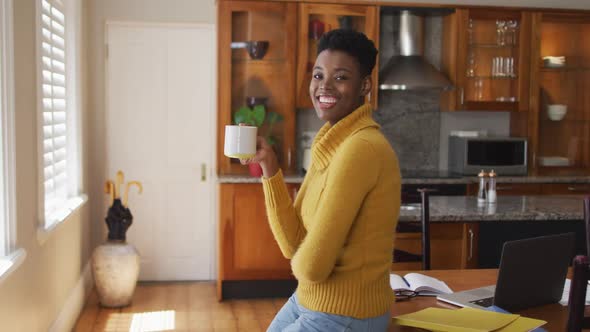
[
  {"x": 492, "y": 187},
  {"x": 481, "y": 193}
]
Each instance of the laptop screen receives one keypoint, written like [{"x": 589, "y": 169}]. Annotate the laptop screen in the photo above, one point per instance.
[{"x": 532, "y": 271}]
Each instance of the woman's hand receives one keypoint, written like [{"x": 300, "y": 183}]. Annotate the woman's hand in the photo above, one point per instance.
[{"x": 265, "y": 156}]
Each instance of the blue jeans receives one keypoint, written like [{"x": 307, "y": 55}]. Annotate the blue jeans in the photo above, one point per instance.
[{"x": 293, "y": 317}]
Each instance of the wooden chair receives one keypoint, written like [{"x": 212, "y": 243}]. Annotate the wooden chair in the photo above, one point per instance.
[
  {"x": 577, "y": 300},
  {"x": 401, "y": 256}
]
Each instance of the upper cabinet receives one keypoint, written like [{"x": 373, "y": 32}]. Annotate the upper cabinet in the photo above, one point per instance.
[
  {"x": 486, "y": 55},
  {"x": 316, "y": 19},
  {"x": 256, "y": 43},
  {"x": 560, "y": 102}
]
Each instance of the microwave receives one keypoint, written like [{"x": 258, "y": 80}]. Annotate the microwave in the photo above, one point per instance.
[{"x": 505, "y": 155}]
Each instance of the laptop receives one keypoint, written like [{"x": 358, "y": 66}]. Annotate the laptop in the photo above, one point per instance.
[{"x": 532, "y": 273}]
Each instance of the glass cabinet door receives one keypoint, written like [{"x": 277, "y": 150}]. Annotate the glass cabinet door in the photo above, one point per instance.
[
  {"x": 257, "y": 67},
  {"x": 317, "y": 19},
  {"x": 490, "y": 69},
  {"x": 561, "y": 97}
]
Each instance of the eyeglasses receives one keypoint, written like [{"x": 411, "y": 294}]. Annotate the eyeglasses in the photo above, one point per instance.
[{"x": 403, "y": 295}]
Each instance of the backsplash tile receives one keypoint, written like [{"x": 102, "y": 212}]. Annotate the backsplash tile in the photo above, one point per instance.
[{"x": 411, "y": 122}]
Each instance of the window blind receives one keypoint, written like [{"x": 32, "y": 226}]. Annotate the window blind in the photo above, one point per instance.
[{"x": 53, "y": 68}]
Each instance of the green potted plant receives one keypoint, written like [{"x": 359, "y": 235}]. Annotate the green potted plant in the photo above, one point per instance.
[{"x": 255, "y": 114}]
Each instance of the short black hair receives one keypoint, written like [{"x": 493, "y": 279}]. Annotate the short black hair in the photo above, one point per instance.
[{"x": 354, "y": 43}]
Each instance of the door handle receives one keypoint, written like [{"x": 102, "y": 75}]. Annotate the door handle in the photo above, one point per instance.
[
  {"x": 203, "y": 172},
  {"x": 462, "y": 95},
  {"x": 578, "y": 189},
  {"x": 470, "y": 244}
]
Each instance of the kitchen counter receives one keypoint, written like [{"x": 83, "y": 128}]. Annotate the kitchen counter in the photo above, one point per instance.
[
  {"x": 252, "y": 179},
  {"x": 412, "y": 180},
  {"x": 450, "y": 209}
]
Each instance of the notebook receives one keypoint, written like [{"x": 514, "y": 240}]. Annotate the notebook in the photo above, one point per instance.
[
  {"x": 532, "y": 272},
  {"x": 419, "y": 283}
]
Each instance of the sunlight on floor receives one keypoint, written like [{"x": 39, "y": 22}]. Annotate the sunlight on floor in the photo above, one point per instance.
[
  {"x": 152, "y": 321},
  {"x": 141, "y": 322}
]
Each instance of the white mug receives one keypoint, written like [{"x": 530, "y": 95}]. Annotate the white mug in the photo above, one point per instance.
[{"x": 240, "y": 141}]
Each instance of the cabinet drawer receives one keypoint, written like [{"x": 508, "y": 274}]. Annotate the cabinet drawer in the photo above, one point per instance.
[
  {"x": 566, "y": 189},
  {"x": 518, "y": 189},
  {"x": 452, "y": 246}
]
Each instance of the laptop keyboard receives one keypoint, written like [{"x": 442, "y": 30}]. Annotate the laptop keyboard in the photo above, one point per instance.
[{"x": 487, "y": 302}]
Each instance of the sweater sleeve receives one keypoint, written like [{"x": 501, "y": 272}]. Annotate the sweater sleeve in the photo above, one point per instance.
[
  {"x": 285, "y": 224},
  {"x": 353, "y": 172}
]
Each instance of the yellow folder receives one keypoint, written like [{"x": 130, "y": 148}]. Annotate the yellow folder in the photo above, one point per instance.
[{"x": 467, "y": 320}]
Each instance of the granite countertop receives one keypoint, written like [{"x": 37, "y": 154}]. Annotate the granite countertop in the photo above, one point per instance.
[
  {"x": 252, "y": 179},
  {"x": 507, "y": 208},
  {"x": 298, "y": 178}
]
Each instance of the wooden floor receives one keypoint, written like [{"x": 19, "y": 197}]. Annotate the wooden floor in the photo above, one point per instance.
[{"x": 179, "y": 306}]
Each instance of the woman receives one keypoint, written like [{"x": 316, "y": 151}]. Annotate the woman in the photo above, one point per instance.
[{"x": 339, "y": 231}]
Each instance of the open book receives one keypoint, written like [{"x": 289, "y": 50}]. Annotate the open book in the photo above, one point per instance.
[{"x": 419, "y": 283}]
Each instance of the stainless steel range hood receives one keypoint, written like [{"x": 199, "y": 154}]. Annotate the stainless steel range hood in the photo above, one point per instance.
[{"x": 409, "y": 70}]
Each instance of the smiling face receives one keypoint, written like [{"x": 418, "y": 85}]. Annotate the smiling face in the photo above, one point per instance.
[{"x": 337, "y": 86}]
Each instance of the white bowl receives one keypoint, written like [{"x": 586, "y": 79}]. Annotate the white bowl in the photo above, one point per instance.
[
  {"x": 554, "y": 61},
  {"x": 556, "y": 112}
]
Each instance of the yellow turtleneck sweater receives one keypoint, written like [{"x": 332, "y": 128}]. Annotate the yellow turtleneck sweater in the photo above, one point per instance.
[{"x": 339, "y": 232}]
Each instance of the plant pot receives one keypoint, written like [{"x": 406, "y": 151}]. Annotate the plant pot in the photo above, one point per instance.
[
  {"x": 115, "y": 267},
  {"x": 255, "y": 169}
]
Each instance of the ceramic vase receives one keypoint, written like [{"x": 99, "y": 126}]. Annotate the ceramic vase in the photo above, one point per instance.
[{"x": 115, "y": 266}]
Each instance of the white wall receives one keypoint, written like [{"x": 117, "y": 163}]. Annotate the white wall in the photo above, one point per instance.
[
  {"x": 32, "y": 297},
  {"x": 98, "y": 12}
]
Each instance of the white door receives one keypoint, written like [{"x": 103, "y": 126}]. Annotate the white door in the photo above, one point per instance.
[{"x": 160, "y": 106}]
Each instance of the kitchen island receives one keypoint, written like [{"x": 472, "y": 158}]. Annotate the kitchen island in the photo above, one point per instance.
[
  {"x": 485, "y": 227},
  {"x": 507, "y": 208}
]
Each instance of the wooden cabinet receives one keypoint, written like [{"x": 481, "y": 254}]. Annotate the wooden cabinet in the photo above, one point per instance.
[
  {"x": 560, "y": 103},
  {"x": 486, "y": 55},
  {"x": 248, "y": 69},
  {"x": 247, "y": 248},
  {"x": 452, "y": 246},
  {"x": 566, "y": 189},
  {"x": 316, "y": 19}
]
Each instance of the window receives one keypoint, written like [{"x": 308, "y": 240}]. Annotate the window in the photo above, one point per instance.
[
  {"x": 10, "y": 256},
  {"x": 7, "y": 206},
  {"x": 59, "y": 166}
]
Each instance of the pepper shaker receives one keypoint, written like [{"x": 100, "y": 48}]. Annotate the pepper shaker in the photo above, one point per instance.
[
  {"x": 481, "y": 192},
  {"x": 492, "y": 188}
]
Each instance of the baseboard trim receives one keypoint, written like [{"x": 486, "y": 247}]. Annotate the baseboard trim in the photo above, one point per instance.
[{"x": 66, "y": 320}]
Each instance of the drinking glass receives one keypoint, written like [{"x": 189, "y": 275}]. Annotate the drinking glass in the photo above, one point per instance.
[
  {"x": 500, "y": 33},
  {"x": 471, "y": 65},
  {"x": 510, "y": 67},
  {"x": 512, "y": 26},
  {"x": 498, "y": 66},
  {"x": 478, "y": 86},
  {"x": 494, "y": 66},
  {"x": 470, "y": 32}
]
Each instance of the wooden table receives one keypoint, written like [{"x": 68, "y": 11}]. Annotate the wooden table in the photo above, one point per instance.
[{"x": 458, "y": 280}]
